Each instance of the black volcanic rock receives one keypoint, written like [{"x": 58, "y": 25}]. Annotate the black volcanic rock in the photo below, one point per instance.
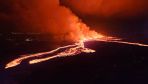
[{"x": 112, "y": 63}]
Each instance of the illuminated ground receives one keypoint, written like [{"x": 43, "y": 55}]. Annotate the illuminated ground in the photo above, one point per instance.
[{"x": 118, "y": 63}]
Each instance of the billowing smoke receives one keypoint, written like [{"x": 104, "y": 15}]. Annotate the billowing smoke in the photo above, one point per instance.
[
  {"x": 47, "y": 16},
  {"x": 112, "y": 16}
]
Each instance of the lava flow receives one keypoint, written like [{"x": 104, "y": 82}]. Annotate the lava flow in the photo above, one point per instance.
[{"x": 70, "y": 50}]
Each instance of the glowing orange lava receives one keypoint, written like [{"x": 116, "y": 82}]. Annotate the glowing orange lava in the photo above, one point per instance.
[{"x": 70, "y": 50}]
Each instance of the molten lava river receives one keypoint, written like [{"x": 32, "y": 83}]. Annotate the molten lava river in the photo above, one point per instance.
[{"x": 69, "y": 50}]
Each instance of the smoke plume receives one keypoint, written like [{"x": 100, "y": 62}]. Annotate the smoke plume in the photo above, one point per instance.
[{"x": 47, "y": 16}]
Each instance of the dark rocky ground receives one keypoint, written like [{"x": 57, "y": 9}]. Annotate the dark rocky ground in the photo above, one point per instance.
[{"x": 112, "y": 63}]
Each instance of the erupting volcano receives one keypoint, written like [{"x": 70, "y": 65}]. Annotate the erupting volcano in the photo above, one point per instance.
[{"x": 75, "y": 30}]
